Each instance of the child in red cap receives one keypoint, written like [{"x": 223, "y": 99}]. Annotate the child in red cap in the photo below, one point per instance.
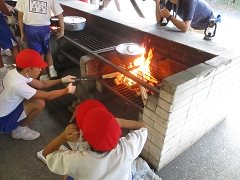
[
  {"x": 21, "y": 101},
  {"x": 108, "y": 157}
]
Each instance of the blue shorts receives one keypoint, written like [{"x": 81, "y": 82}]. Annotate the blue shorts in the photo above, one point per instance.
[
  {"x": 10, "y": 122},
  {"x": 7, "y": 39},
  {"x": 38, "y": 38},
  {"x": 69, "y": 178}
]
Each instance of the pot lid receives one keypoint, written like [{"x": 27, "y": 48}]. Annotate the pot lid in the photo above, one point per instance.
[
  {"x": 73, "y": 19},
  {"x": 130, "y": 49}
]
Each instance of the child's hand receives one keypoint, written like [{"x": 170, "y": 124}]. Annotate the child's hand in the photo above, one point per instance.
[
  {"x": 72, "y": 133},
  {"x": 68, "y": 79},
  {"x": 71, "y": 88}
]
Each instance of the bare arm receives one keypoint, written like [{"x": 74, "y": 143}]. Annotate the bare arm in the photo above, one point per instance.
[
  {"x": 61, "y": 25},
  {"x": 182, "y": 25},
  {"x": 55, "y": 93},
  {"x": 68, "y": 135},
  {"x": 44, "y": 84},
  {"x": 157, "y": 11},
  {"x": 49, "y": 83},
  {"x": 130, "y": 124},
  {"x": 164, "y": 13},
  {"x": 4, "y": 8}
]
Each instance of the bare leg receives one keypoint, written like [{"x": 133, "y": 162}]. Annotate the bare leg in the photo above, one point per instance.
[
  {"x": 3, "y": 70},
  {"x": 51, "y": 69},
  {"x": 43, "y": 71},
  {"x": 64, "y": 177},
  {"x": 1, "y": 61},
  {"x": 33, "y": 108},
  {"x": 48, "y": 59},
  {"x": 15, "y": 50}
]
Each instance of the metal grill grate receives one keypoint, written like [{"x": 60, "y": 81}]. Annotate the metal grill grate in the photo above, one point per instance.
[
  {"x": 124, "y": 92},
  {"x": 93, "y": 38}
]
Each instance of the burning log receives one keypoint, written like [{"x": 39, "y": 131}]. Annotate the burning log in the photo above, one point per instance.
[{"x": 111, "y": 75}]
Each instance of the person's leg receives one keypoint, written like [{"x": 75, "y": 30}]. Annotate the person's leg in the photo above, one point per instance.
[
  {"x": 8, "y": 40},
  {"x": 32, "y": 108},
  {"x": 64, "y": 177},
  {"x": 1, "y": 61},
  {"x": 47, "y": 52},
  {"x": 44, "y": 76},
  {"x": 34, "y": 41},
  {"x": 51, "y": 69},
  {"x": 15, "y": 50}
]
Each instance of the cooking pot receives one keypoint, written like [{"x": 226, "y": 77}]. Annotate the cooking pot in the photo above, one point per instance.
[
  {"x": 71, "y": 23},
  {"x": 128, "y": 52},
  {"x": 74, "y": 23}
]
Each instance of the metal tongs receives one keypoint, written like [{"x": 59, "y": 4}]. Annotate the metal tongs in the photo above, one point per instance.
[{"x": 87, "y": 78}]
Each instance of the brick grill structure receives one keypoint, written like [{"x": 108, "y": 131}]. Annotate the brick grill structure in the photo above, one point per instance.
[
  {"x": 189, "y": 105},
  {"x": 190, "y": 102}
]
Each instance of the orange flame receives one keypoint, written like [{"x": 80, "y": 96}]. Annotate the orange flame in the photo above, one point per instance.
[{"x": 143, "y": 70}]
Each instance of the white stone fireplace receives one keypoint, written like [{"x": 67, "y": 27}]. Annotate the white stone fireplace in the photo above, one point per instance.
[{"x": 189, "y": 105}]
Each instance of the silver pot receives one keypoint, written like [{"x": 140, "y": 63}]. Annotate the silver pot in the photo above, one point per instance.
[
  {"x": 128, "y": 52},
  {"x": 74, "y": 23}
]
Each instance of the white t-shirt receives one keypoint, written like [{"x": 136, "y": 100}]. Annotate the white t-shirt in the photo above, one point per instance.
[
  {"x": 16, "y": 89},
  {"x": 88, "y": 165},
  {"x": 38, "y": 13}
]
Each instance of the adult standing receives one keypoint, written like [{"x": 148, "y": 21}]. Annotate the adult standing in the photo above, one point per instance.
[
  {"x": 34, "y": 22},
  {"x": 195, "y": 14},
  {"x": 7, "y": 39},
  {"x": 21, "y": 100}
]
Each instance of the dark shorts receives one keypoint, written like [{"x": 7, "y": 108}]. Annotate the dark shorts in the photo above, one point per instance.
[
  {"x": 38, "y": 38},
  {"x": 7, "y": 39},
  {"x": 9, "y": 122},
  {"x": 69, "y": 178}
]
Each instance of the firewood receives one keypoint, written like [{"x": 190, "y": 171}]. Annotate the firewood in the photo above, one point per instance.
[{"x": 111, "y": 75}]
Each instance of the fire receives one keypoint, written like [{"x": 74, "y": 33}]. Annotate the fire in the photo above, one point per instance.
[
  {"x": 141, "y": 69},
  {"x": 54, "y": 27}
]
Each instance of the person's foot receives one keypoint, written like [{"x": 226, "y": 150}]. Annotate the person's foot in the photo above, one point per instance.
[
  {"x": 44, "y": 77},
  {"x": 53, "y": 74},
  {"x": 25, "y": 133}
]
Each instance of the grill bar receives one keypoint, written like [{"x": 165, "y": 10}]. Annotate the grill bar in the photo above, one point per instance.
[
  {"x": 128, "y": 74},
  {"x": 122, "y": 91}
]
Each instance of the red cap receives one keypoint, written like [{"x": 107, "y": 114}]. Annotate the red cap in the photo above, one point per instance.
[
  {"x": 29, "y": 58},
  {"x": 100, "y": 129}
]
